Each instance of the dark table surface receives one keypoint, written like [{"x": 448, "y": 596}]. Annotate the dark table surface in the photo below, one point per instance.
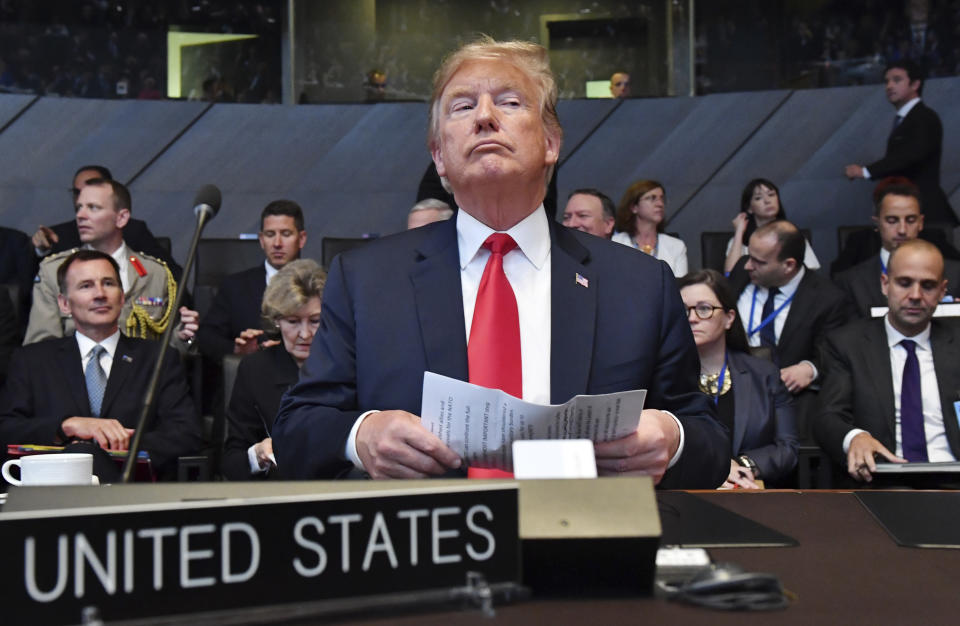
[{"x": 846, "y": 570}]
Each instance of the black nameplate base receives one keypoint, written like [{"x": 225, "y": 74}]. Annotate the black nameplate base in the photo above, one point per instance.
[{"x": 173, "y": 559}]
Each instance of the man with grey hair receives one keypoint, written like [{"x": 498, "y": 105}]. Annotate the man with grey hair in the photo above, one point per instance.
[
  {"x": 501, "y": 296},
  {"x": 428, "y": 211}
]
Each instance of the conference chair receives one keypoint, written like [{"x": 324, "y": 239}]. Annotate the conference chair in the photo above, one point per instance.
[{"x": 217, "y": 258}]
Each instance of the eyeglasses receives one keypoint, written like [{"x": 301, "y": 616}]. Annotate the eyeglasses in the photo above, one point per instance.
[{"x": 704, "y": 311}]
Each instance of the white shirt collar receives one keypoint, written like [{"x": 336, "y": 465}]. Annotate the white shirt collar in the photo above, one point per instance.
[
  {"x": 884, "y": 257},
  {"x": 271, "y": 270},
  {"x": 902, "y": 111},
  {"x": 532, "y": 235},
  {"x": 86, "y": 344},
  {"x": 894, "y": 336}
]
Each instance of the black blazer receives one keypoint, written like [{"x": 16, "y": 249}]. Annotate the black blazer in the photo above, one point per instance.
[
  {"x": 135, "y": 234},
  {"x": 18, "y": 265},
  {"x": 817, "y": 307},
  {"x": 262, "y": 378},
  {"x": 764, "y": 425},
  {"x": 46, "y": 385},
  {"x": 857, "y": 391},
  {"x": 862, "y": 283},
  {"x": 235, "y": 308},
  {"x": 393, "y": 309},
  {"x": 913, "y": 150}
]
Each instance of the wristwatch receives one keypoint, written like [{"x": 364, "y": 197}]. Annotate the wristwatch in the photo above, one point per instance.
[{"x": 744, "y": 461}]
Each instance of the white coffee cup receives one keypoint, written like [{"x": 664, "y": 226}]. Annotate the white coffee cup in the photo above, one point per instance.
[{"x": 52, "y": 469}]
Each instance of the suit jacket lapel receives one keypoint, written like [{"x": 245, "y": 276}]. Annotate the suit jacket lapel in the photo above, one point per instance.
[
  {"x": 743, "y": 396},
  {"x": 70, "y": 365},
  {"x": 439, "y": 301},
  {"x": 947, "y": 367},
  {"x": 123, "y": 363},
  {"x": 877, "y": 365},
  {"x": 573, "y": 313},
  {"x": 797, "y": 314}
]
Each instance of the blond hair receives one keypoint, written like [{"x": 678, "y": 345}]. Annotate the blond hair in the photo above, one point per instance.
[{"x": 291, "y": 287}]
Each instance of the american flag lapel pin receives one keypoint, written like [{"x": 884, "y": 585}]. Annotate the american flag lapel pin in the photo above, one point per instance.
[
  {"x": 127, "y": 359},
  {"x": 582, "y": 281}
]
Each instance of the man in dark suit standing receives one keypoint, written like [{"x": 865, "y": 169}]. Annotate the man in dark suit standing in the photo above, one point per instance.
[
  {"x": 898, "y": 219},
  {"x": 500, "y": 295},
  {"x": 915, "y": 143},
  {"x": 890, "y": 384},
  {"x": 90, "y": 385},
  {"x": 65, "y": 236},
  {"x": 233, "y": 324}
]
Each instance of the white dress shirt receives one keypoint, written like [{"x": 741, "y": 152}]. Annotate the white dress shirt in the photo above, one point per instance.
[
  {"x": 746, "y": 302},
  {"x": 528, "y": 270},
  {"x": 271, "y": 270},
  {"x": 938, "y": 448},
  {"x": 86, "y": 346},
  {"x": 901, "y": 113}
]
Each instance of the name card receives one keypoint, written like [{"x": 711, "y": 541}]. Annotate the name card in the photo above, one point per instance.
[{"x": 135, "y": 561}]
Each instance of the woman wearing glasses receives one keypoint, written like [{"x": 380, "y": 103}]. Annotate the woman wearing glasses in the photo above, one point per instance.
[
  {"x": 751, "y": 400},
  {"x": 291, "y": 304}
]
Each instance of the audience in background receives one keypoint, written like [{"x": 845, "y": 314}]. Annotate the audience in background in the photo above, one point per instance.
[
  {"x": 620, "y": 85},
  {"x": 591, "y": 211},
  {"x": 759, "y": 412},
  {"x": 291, "y": 303},
  {"x": 640, "y": 224},
  {"x": 232, "y": 325},
  {"x": 428, "y": 211},
  {"x": 759, "y": 204}
]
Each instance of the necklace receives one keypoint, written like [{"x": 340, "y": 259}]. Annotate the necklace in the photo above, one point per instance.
[{"x": 708, "y": 384}]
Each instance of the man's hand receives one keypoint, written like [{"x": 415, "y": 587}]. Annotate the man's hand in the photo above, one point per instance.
[
  {"x": 645, "y": 452},
  {"x": 740, "y": 476},
  {"x": 860, "y": 462},
  {"x": 393, "y": 444},
  {"x": 189, "y": 323},
  {"x": 44, "y": 238},
  {"x": 264, "y": 452},
  {"x": 797, "y": 377},
  {"x": 246, "y": 343},
  {"x": 109, "y": 433},
  {"x": 853, "y": 172}
]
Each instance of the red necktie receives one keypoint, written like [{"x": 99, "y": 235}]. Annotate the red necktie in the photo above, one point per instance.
[{"x": 494, "y": 347}]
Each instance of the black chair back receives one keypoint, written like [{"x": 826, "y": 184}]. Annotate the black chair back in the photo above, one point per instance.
[
  {"x": 216, "y": 258},
  {"x": 332, "y": 246}
]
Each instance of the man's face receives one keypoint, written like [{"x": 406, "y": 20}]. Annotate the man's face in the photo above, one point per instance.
[
  {"x": 899, "y": 220},
  {"x": 490, "y": 129},
  {"x": 80, "y": 180},
  {"x": 913, "y": 284},
  {"x": 620, "y": 85},
  {"x": 762, "y": 265},
  {"x": 899, "y": 88},
  {"x": 98, "y": 219},
  {"x": 280, "y": 240},
  {"x": 93, "y": 296},
  {"x": 585, "y": 212}
]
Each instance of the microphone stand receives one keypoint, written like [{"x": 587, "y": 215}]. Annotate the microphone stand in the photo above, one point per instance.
[{"x": 204, "y": 214}]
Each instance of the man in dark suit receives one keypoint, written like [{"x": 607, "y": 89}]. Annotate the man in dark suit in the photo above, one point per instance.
[
  {"x": 65, "y": 236},
  {"x": 90, "y": 386},
  {"x": 915, "y": 143},
  {"x": 579, "y": 314},
  {"x": 898, "y": 219},
  {"x": 890, "y": 384},
  {"x": 17, "y": 266},
  {"x": 233, "y": 324}
]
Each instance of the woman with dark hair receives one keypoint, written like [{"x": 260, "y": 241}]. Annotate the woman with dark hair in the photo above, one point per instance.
[
  {"x": 640, "y": 224},
  {"x": 291, "y": 305},
  {"x": 759, "y": 413},
  {"x": 759, "y": 204}
]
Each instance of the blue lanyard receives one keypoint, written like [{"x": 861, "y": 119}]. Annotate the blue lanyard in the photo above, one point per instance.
[
  {"x": 753, "y": 330},
  {"x": 723, "y": 373},
  {"x": 883, "y": 267}
]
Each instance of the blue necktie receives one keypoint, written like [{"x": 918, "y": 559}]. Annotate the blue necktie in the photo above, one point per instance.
[
  {"x": 768, "y": 334},
  {"x": 96, "y": 380},
  {"x": 912, "y": 436}
]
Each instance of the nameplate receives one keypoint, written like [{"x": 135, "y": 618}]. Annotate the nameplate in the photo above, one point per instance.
[
  {"x": 944, "y": 309},
  {"x": 134, "y": 561}
]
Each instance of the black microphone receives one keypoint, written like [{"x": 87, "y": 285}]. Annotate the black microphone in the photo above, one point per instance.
[{"x": 206, "y": 204}]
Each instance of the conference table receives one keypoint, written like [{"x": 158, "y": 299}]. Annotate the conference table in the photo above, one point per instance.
[{"x": 846, "y": 570}]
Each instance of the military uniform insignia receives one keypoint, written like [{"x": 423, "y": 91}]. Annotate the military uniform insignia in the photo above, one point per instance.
[
  {"x": 150, "y": 301},
  {"x": 137, "y": 265}
]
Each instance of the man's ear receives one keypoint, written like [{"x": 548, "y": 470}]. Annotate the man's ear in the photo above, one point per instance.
[
  {"x": 123, "y": 216},
  {"x": 876, "y": 222},
  {"x": 553, "y": 141},
  {"x": 63, "y": 304},
  {"x": 884, "y": 283},
  {"x": 437, "y": 154}
]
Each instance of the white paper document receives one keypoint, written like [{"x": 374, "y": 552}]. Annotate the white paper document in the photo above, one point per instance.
[{"x": 481, "y": 424}]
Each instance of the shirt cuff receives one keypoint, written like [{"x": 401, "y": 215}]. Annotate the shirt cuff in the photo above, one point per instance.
[
  {"x": 849, "y": 437},
  {"x": 676, "y": 457},
  {"x": 254, "y": 463},
  {"x": 866, "y": 173},
  {"x": 816, "y": 372},
  {"x": 350, "y": 450}
]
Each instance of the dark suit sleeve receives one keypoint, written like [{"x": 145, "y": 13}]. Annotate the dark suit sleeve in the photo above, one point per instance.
[
  {"x": 244, "y": 423},
  {"x": 918, "y": 142},
  {"x": 778, "y": 458},
  {"x": 317, "y": 413},
  {"x": 705, "y": 461},
  {"x": 834, "y": 419},
  {"x": 9, "y": 333},
  {"x": 175, "y": 429},
  {"x": 18, "y": 420},
  {"x": 839, "y": 310}
]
